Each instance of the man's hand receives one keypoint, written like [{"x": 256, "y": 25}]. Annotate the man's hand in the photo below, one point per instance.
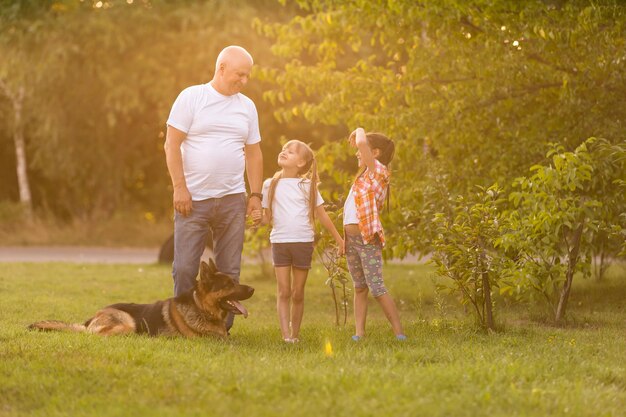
[
  {"x": 254, "y": 210},
  {"x": 174, "y": 159},
  {"x": 256, "y": 216},
  {"x": 182, "y": 201}
]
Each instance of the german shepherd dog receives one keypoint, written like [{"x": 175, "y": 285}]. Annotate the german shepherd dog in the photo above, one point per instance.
[{"x": 199, "y": 312}]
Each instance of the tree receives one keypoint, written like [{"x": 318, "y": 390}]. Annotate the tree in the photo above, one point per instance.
[
  {"x": 477, "y": 88},
  {"x": 17, "y": 103},
  {"x": 21, "y": 72},
  {"x": 99, "y": 79},
  {"x": 559, "y": 209},
  {"x": 465, "y": 252}
]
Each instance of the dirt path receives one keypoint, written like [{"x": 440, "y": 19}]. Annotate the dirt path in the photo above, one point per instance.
[{"x": 90, "y": 255}]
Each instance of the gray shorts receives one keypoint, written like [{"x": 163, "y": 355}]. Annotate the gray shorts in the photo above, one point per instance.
[{"x": 296, "y": 254}]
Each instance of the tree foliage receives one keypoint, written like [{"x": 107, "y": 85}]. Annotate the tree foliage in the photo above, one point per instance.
[
  {"x": 559, "y": 210},
  {"x": 466, "y": 252},
  {"x": 100, "y": 78},
  {"x": 478, "y": 88}
]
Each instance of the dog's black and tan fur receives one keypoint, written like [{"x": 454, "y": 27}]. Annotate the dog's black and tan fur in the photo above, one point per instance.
[{"x": 201, "y": 311}]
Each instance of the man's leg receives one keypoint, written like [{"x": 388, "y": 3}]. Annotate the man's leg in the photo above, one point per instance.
[
  {"x": 190, "y": 234},
  {"x": 228, "y": 224}
]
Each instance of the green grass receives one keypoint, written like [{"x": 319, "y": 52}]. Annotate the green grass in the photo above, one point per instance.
[{"x": 446, "y": 368}]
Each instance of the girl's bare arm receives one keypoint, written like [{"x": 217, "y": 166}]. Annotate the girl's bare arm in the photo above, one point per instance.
[{"x": 321, "y": 214}]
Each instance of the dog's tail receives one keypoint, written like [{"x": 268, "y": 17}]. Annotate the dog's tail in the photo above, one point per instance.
[{"x": 57, "y": 326}]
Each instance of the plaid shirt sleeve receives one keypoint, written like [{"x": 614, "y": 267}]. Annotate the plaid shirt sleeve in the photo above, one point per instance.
[{"x": 369, "y": 195}]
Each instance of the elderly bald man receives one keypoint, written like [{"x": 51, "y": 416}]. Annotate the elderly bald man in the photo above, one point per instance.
[{"x": 212, "y": 139}]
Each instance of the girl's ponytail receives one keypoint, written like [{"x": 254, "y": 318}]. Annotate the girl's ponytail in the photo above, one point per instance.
[
  {"x": 272, "y": 192},
  {"x": 385, "y": 145},
  {"x": 313, "y": 192},
  {"x": 387, "y": 150}
]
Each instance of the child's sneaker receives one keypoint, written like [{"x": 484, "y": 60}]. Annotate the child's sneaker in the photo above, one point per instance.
[
  {"x": 356, "y": 338},
  {"x": 400, "y": 337}
]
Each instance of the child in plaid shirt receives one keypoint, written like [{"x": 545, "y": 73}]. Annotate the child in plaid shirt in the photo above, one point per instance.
[{"x": 364, "y": 236}]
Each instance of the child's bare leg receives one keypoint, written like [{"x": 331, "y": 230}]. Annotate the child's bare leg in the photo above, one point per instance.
[
  {"x": 297, "y": 300},
  {"x": 390, "y": 310},
  {"x": 360, "y": 309},
  {"x": 283, "y": 297}
]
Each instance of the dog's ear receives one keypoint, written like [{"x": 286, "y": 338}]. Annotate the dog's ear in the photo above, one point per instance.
[
  {"x": 212, "y": 267},
  {"x": 205, "y": 271}
]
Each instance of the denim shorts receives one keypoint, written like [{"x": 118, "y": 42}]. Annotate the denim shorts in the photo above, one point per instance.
[{"x": 296, "y": 254}]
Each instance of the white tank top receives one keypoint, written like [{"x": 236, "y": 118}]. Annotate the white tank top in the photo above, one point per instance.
[{"x": 349, "y": 210}]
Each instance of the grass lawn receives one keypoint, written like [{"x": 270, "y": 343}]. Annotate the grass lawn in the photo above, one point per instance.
[{"x": 446, "y": 368}]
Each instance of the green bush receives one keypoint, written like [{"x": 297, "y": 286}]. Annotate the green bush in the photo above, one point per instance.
[
  {"x": 559, "y": 211},
  {"x": 465, "y": 251}
]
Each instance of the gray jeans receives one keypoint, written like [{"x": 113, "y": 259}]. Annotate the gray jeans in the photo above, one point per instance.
[{"x": 226, "y": 218}]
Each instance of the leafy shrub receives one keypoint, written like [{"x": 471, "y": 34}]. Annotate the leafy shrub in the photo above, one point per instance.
[
  {"x": 465, "y": 251},
  {"x": 560, "y": 210}
]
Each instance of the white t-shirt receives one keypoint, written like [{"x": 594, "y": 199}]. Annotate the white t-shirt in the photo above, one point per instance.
[
  {"x": 290, "y": 210},
  {"x": 349, "y": 210},
  {"x": 218, "y": 127}
]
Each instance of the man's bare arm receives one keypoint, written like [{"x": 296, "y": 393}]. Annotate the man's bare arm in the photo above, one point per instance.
[
  {"x": 254, "y": 171},
  {"x": 174, "y": 159}
]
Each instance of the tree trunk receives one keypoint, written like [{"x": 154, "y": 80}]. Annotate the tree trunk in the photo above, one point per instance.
[
  {"x": 598, "y": 252},
  {"x": 17, "y": 99},
  {"x": 345, "y": 304},
  {"x": 487, "y": 300},
  {"x": 600, "y": 262},
  {"x": 571, "y": 269},
  {"x": 332, "y": 288}
]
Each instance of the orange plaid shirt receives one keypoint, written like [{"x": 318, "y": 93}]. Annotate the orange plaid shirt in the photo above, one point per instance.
[{"x": 369, "y": 191}]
